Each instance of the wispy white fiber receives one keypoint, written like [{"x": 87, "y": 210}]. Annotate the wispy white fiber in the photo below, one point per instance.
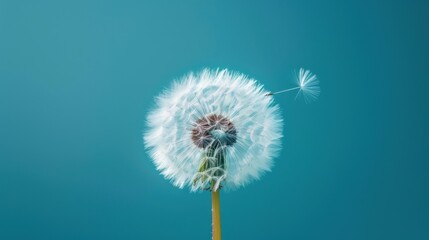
[
  {"x": 308, "y": 85},
  {"x": 234, "y": 96}
]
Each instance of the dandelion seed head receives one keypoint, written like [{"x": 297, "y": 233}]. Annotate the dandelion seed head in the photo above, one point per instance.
[{"x": 213, "y": 127}]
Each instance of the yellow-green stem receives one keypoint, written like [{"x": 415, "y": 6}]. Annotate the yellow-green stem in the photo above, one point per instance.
[{"x": 216, "y": 215}]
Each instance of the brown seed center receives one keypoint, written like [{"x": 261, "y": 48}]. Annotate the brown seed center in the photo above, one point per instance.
[{"x": 213, "y": 130}]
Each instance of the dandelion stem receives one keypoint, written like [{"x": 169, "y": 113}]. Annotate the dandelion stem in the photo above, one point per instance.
[{"x": 216, "y": 215}]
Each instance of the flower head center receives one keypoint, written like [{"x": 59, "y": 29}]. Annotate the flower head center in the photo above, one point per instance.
[
  {"x": 213, "y": 130},
  {"x": 218, "y": 134}
]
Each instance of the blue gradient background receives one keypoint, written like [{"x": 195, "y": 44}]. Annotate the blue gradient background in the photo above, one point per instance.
[{"x": 78, "y": 77}]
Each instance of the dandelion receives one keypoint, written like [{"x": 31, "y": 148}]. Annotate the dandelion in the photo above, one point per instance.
[{"x": 214, "y": 130}]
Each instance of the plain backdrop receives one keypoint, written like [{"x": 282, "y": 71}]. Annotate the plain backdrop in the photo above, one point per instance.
[{"x": 77, "y": 79}]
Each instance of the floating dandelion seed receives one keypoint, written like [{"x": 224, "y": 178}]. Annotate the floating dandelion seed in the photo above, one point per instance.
[
  {"x": 214, "y": 129},
  {"x": 308, "y": 86}
]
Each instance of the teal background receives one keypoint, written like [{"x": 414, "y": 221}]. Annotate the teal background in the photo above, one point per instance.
[{"x": 77, "y": 79}]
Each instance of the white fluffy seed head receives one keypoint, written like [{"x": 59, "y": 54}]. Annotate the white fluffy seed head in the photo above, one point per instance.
[
  {"x": 308, "y": 85},
  {"x": 214, "y": 108}
]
